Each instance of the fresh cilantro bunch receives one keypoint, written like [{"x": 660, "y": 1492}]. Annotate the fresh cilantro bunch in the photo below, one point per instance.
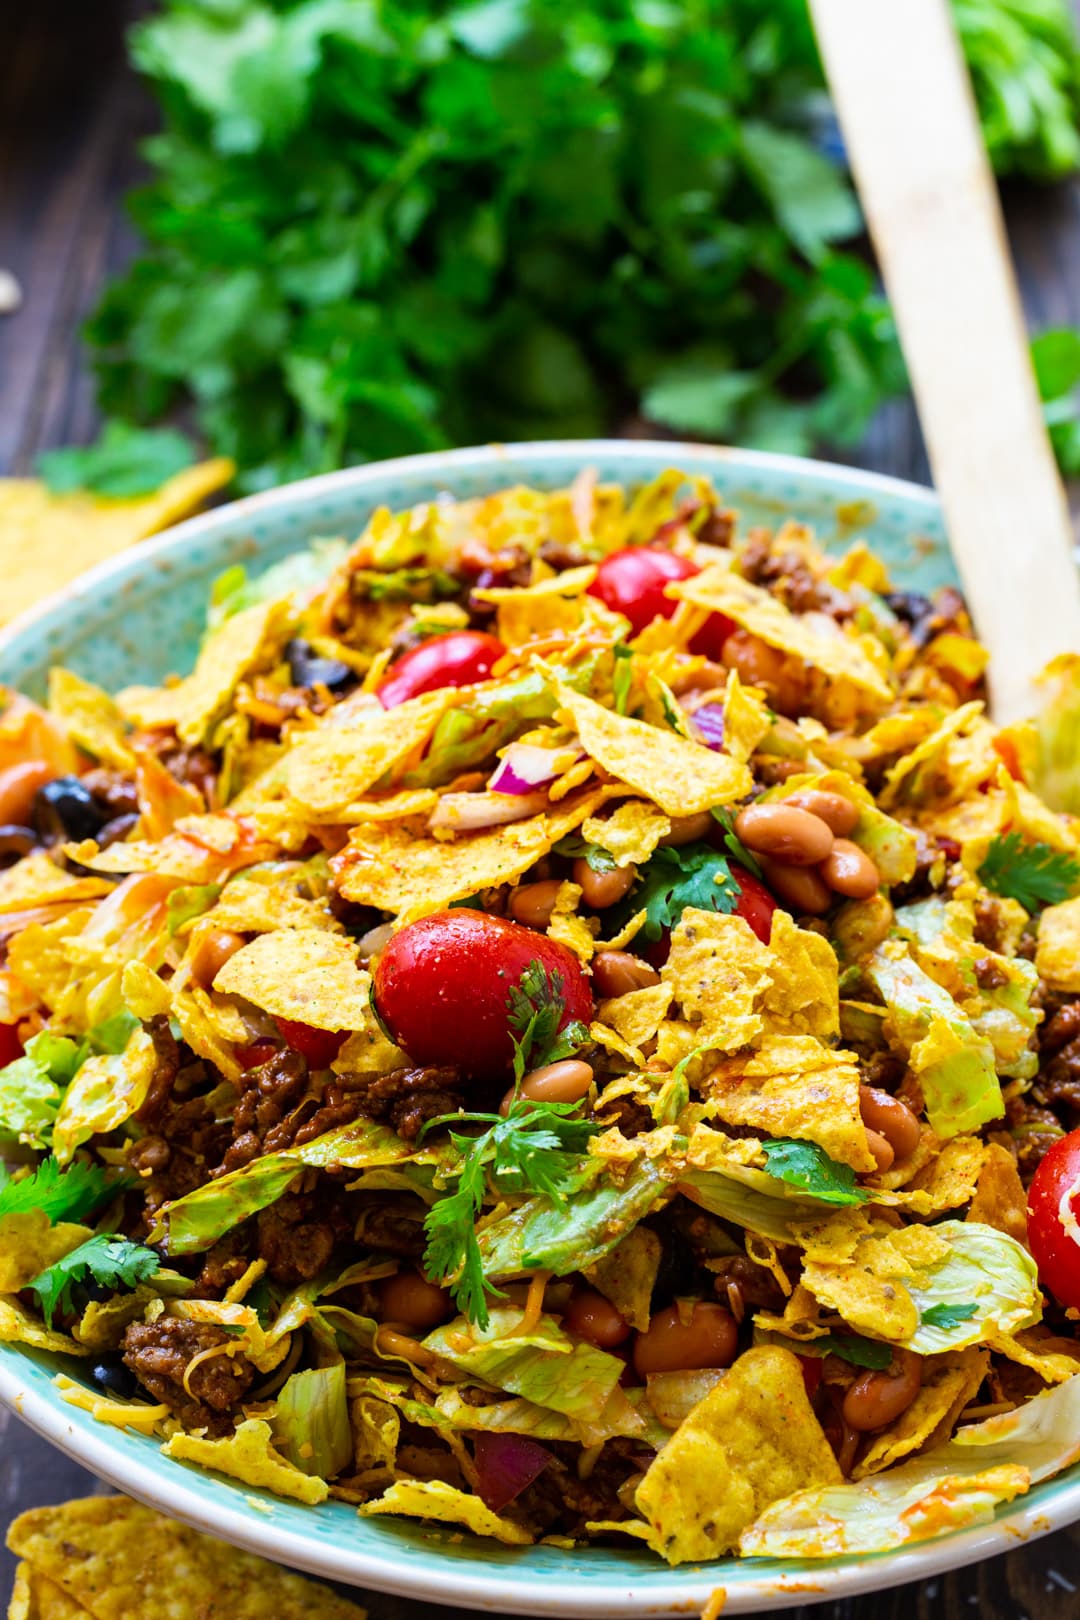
[
  {"x": 108, "y": 1261},
  {"x": 69, "y": 1194},
  {"x": 1032, "y": 873},
  {"x": 806, "y": 1165}
]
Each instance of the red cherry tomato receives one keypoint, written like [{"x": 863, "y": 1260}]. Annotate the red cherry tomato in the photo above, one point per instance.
[
  {"x": 442, "y": 983},
  {"x": 319, "y": 1046},
  {"x": 811, "y": 1373},
  {"x": 10, "y": 1045},
  {"x": 458, "y": 659},
  {"x": 259, "y": 1052},
  {"x": 632, "y": 583},
  {"x": 1054, "y": 1220},
  {"x": 755, "y": 905}
]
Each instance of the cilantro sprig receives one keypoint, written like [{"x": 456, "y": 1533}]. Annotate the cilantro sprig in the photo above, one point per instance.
[
  {"x": 734, "y": 844},
  {"x": 573, "y": 847},
  {"x": 109, "y": 1261},
  {"x": 947, "y": 1316},
  {"x": 534, "y": 1011},
  {"x": 1030, "y": 872},
  {"x": 858, "y": 1351},
  {"x": 64, "y": 1194},
  {"x": 125, "y": 462},
  {"x": 672, "y": 879},
  {"x": 806, "y": 1165},
  {"x": 536, "y": 1148}
]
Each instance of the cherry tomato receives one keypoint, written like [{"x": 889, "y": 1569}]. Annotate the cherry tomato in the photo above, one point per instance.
[
  {"x": 811, "y": 1373},
  {"x": 1055, "y": 1242},
  {"x": 10, "y": 1045},
  {"x": 319, "y": 1046},
  {"x": 259, "y": 1052},
  {"x": 632, "y": 583},
  {"x": 442, "y": 983},
  {"x": 755, "y": 905},
  {"x": 458, "y": 659}
]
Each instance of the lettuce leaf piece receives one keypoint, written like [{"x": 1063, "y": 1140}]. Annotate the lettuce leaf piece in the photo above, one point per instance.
[
  {"x": 755, "y": 1200},
  {"x": 541, "y": 1236},
  {"x": 988, "y": 1284},
  {"x": 233, "y": 591},
  {"x": 954, "y": 1063},
  {"x": 311, "y": 1424},
  {"x": 196, "y": 1221},
  {"x": 543, "y": 1365},
  {"x": 189, "y": 902},
  {"x": 947, "y": 1488},
  {"x": 32, "y": 1085},
  {"x": 106, "y": 1089}
]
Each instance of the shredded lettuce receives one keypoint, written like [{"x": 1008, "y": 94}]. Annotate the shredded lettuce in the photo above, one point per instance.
[
  {"x": 954, "y": 1063},
  {"x": 987, "y": 1285},
  {"x": 311, "y": 1424},
  {"x": 541, "y": 1236},
  {"x": 233, "y": 591},
  {"x": 32, "y": 1086}
]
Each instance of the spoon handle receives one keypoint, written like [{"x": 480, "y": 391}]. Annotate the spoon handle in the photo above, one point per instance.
[{"x": 908, "y": 115}]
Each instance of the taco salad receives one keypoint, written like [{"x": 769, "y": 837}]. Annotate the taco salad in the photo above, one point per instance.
[{"x": 565, "y": 1024}]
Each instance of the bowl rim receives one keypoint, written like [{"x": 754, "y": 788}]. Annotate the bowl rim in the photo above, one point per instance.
[{"x": 178, "y": 1493}]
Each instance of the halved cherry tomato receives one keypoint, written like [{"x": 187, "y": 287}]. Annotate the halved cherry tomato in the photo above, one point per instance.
[
  {"x": 1054, "y": 1219},
  {"x": 632, "y": 583},
  {"x": 10, "y": 1045},
  {"x": 458, "y": 659},
  {"x": 755, "y": 905},
  {"x": 319, "y": 1046},
  {"x": 442, "y": 985},
  {"x": 259, "y": 1052}
]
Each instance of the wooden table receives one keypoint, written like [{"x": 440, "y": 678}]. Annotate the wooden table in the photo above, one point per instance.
[{"x": 70, "y": 114}]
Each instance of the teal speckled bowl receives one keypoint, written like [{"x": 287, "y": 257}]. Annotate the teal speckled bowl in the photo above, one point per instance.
[{"x": 137, "y": 618}]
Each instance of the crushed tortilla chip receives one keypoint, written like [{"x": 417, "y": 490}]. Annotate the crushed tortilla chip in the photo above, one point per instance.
[
  {"x": 630, "y": 833},
  {"x": 383, "y": 866},
  {"x": 716, "y": 969},
  {"x": 681, "y": 777},
  {"x": 433, "y": 1499},
  {"x": 793, "y": 1086},
  {"x": 568, "y": 928},
  {"x": 746, "y": 718},
  {"x": 804, "y": 995},
  {"x": 45, "y": 1600},
  {"x": 752, "y": 1441},
  {"x": 90, "y": 717},
  {"x": 949, "y": 1383},
  {"x": 36, "y": 880},
  {"x": 301, "y": 973},
  {"x": 249, "y": 1454},
  {"x": 841, "y": 657},
  {"x": 1054, "y": 1359},
  {"x": 1057, "y": 954},
  {"x": 17, "y": 1326},
  {"x": 636, "y": 1016},
  {"x": 329, "y": 768},
  {"x": 121, "y": 1560},
  {"x": 248, "y": 907},
  {"x": 49, "y": 539},
  {"x": 29, "y": 1243},
  {"x": 1000, "y": 1200}
]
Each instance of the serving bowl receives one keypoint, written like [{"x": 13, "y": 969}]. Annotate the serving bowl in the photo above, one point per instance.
[{"x": 136, "y": 619}]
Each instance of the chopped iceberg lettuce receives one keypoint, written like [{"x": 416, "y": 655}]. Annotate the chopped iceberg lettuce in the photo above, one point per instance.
[
  {"x": 311, "y": 1423},
  {"x": 541, "y": 1236},
  {"x": 984, "y": 1268}
]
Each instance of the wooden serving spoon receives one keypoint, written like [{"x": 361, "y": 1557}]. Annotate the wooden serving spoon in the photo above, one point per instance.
[{"x": 908, "y": 116}]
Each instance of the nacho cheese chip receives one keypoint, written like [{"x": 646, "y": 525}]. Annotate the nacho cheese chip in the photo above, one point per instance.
[
  {"x": 752, "y": 1441},
  {"x": 681, "y": 777},
  {"x": 432, "y": 1499},
  {"x": 716, "y": 969},
  {"x": 630, "y": 833},
  {"x": 331, "y": 767},
  {"x": 1057, "y": 954},
  {"x": 301, "y": 973},
  {"x": 249, "y": 1454},
  {"x": 119, "y": 1560},
  {"x": 90, "y": 718},
  {"x": 794, "y": 1087},
  {"x": 949, "y": 1383}
]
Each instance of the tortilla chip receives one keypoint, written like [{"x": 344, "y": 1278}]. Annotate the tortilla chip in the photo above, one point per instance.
[
  {"x": 106, "y": 1091},
  {"x": 1000, "y": 1200},
  {"x": 1057, "y": 954},
  {"x": 29, "y": 1243},
  {"x": 842, "y": 657},
  {"x": 752, "y": 1441},
  {"x": 21, "y": 1606},
  {"x": 917, "y": 776},
  {"x": 120, "y": 1560},
  {"x": 48, "y": 540},
  {"x": 681, "y": 777},
  {"x": 716, "y": 969},
  {"x": 90, "y": 717},
  {"x": 244, "y": 644},
  {"x": 384, "y": 867},
  {"x": 249, "y": 907},
  {"x": 569, "y": 929},
  {"x": 630, "y": 833},
  {"x": 301, "y": 973},
  {"x": 794, "y": 1087},
  {"x": 137, "y": 1415},
  {"x": 1054, "y": 1359},
  {"x": 949, "y": 1383},
  {"x": 17, "y": 1326},
  {"x": 330, "y": 767},
  {"x": 432, "y": 1499},
  {"x": 249, "y": 1454},
  {"x": 36, "y": 880},
  {"x": 627, "y": 1275},
  {"x": 948, "y": 1180},
  {"x": 637, "y": 1016},
  {"x": 804, "y": 996},
  {"x": 746, "y": 718},
  {"x": 550, "y": 607},
  {"x": 47, "y": 1601},
  {"x": 395, "y": 807},
  {"x": 867, "y": 1287}
]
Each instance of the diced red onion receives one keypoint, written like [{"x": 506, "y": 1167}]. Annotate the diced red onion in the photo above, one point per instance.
[
  {"x": 506, "y": 1465},
  {"x": 526, "y": 766},
  {"x": 709, "y": 724},
  {"x": 468, "y": 812}
]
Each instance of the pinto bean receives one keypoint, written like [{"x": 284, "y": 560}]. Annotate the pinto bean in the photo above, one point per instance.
[
  {"x": 838, "y": 813},
  {"x": 212, "y": 951},
  {"x": 881, "y": 1148},
  {"x": 567, "y": 1081},
  {"x": 849, "y": 870},
  {"x": 890, "y": 1118},
  {"x": 592, "y": 1317},
  {"x": 616, "y": 973},
  {"x": 687, "y": 830},
  {"x": 708, "y": 1337},
  {"x": 784, "y": 832},
  {"x": 409, "y": 1299},
  {"x": 801, "y": 887},
  {"x": 602, "y": 889},
  {"x": 877, "y": 1399},
  {"x": 533, "y": 903}
]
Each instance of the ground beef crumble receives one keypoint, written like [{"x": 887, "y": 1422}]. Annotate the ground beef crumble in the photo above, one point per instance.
[
  {"x": 159, "y": 1353},
  {"x": 406, "y": 1098}
]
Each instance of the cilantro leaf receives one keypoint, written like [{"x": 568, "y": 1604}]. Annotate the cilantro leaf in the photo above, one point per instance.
[
  {"x": 111, "y": 1262},
  {"x": 70, "y": 1194},
  {"x": 734, "y": 844},
  {"x": 947, "y": 1316},
  {"x": 1032, "y": 873},
  {"x": 573, "y": 847},
  {"x": 804, "y": 1164},
  {"x": 534, "y": 1011},
  {"x": 125, "y": 462},
  {"x": 536, "y": 1148},
  {"x": 672, "y": 879},
  {"x": 859, "y": 1351}
]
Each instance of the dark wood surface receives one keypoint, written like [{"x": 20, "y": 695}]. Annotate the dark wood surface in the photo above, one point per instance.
[{"x": 70, "y": 117}]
